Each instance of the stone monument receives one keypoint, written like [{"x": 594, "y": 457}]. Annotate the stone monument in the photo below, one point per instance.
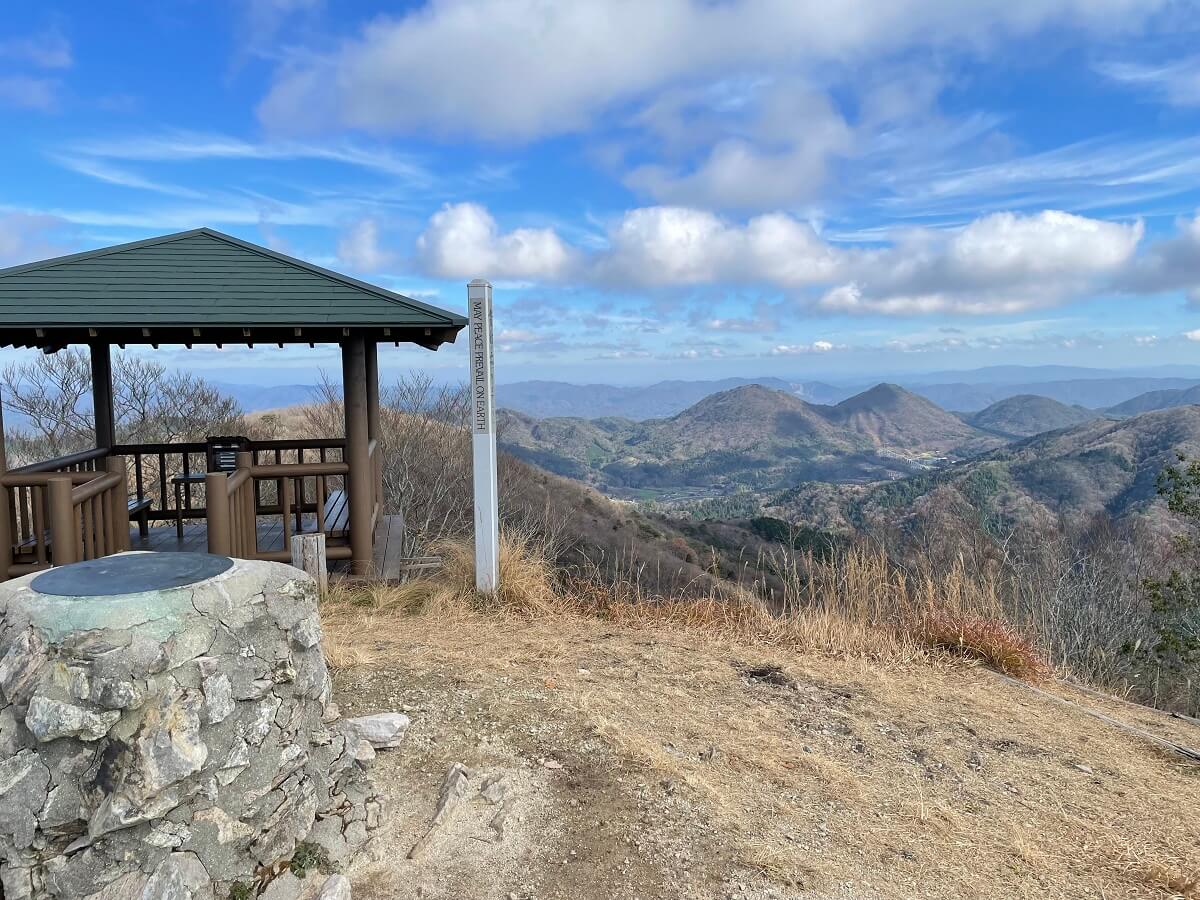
[{"x": 166, "y": 730}]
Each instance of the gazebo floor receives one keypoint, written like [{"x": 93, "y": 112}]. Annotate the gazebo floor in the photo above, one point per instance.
[{"x": 387, "y": 557}]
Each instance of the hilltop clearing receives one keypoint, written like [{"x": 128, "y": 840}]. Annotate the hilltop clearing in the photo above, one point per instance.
[{"x": 669, "y": 757}]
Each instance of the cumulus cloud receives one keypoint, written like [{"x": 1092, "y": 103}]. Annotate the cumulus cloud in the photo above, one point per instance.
[
  {"x": 668, "y": 245},
  {"x": 804, "y": 349},
  {"x": 1192, "y": 335},
  {"x": 1171, "y": 264},
  {"x": 463, "y": 240},
  {"x": 521, "y": 69},
  {"x": 360, "y": 249},
  {"x": 1000, "y": 263}
]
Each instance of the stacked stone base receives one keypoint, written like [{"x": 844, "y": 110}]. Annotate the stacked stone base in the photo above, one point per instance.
[{"x": 179, "y": 743}]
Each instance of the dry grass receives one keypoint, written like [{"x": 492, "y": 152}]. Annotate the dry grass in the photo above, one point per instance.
[
  {"x": 857, "y": 606},
  {"x": 860, "y": 773}
]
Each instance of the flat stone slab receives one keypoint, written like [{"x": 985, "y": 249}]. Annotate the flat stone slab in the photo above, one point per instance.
[{"x": 130, "y": 573}]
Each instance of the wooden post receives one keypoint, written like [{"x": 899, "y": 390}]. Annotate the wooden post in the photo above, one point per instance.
[
  {"x": 6, "y": 524},
  {"x": 216, "y": 503},
  {"x": 373, "y": 417},
  {"x": 360, "y": 478},
  {"x": 102, "y": 395},
  {"x": 308, "y": 555},
  {"x": 64, "y": 523},
  {"x": 120, "y": 505}
]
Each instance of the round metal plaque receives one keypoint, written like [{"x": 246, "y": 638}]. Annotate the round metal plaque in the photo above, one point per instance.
[{"x": 130, "y": 573}]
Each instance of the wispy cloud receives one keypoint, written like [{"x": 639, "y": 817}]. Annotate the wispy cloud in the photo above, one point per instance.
[
  {"x": 28, "y": 92},
  {"x": 1110, "y": 172},
  {"x": 185, "y": 146},
  {"x": 1176, "y": 83},
  {"x": 111, "y": 174},
  {"x": 48, "y": 49}
]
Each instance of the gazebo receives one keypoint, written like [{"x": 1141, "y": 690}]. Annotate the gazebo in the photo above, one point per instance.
[{"x": 205, "y": 287}]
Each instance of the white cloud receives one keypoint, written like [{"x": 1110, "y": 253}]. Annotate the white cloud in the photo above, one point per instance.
[
  {"x": 1145, "y": 340},
  {"x": 804, "y": 349},
  {"x": 521, "y": 69},
  {"x": 110, "y": 174},
  {"x": 1176, "y": 83},
  {"x": 1171, "y": 264},
  {"x": 359, "y": 247},
  {"x": 1000, "y": 263},
  {"x": 464, "y": 241},
  {"x": 666, "y": 245},
  {"x": 779, "y": 159},
  {"x": 186, "y": 146},
  {"x": 1192, "y": 335}
]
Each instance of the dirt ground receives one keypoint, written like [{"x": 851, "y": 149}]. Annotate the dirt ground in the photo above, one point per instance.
[{"x": 631, "y": 764}]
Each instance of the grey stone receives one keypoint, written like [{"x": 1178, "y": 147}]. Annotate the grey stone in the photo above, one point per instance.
[
  {"x": 336, "y": 887},
  {"x": 14, "y": 735},
  {"x": 307, "y": 632},
  {"x": 23, "y": 780},
  {"x": 218, "y": 698},
  {"x": 180, "y": 876},
  {"x": 129, "y": 885},
  {"x": 285, "y": 886},
  {"x": 20, "y": 665},
  {"x": 50, "y": 720},
  {"x": 381, "y": 730},
  {"x": 64, "y": 806},
  {"x": 168, "y": 747}
]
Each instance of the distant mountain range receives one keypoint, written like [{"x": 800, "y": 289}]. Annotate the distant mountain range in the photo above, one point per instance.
[
  {"x": 1102, "y": 465},
  {"x": 749, "y": 436},
  {"x": 655, "y": 401},
  {"x": 1096, "y": 389},
  {"x": 968, "y": 392},
  {"x": 763, "y": 439}
]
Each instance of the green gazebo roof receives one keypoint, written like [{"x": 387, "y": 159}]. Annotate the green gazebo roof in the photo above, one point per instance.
[{"x": 203, "y": 286}]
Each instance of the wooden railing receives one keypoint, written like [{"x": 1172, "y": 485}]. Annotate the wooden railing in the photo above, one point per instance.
[
  {"x": 235, "y": 517},
  {"x": 25, "y": 499},
  {"x": 89, "y": 520},
  {"x": 376, "y": 458},
  {"x": 152, "y": 468},
  {"x": 77, "y": 507},
  {"x": 63, "y": 511}
]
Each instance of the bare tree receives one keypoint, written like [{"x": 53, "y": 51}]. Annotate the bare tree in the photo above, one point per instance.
[{"x": 51, "y": 399}]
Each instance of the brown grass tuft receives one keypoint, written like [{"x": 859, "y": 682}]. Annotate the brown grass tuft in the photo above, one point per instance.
[{"x": 988, "y": 640}]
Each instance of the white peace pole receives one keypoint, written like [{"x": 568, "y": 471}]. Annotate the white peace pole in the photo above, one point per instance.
[{"x": 483, "y": 437}]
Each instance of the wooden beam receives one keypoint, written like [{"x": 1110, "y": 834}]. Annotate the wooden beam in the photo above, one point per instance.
[
  {"x": 359, "y": 479},
  {"x": 102, "y": 395}
]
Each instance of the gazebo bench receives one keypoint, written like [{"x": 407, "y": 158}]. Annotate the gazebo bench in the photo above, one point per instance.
[
  {"x": 337, "y": 514},
  {"x": 139, "y": 511}
]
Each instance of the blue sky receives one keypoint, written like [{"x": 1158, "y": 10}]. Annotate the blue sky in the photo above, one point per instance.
[{"x": 676, "y": 189}]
